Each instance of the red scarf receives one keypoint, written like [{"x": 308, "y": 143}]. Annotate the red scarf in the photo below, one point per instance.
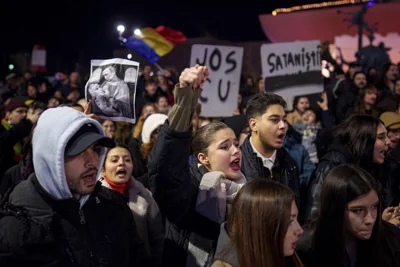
[{"x": 122, "y": 188}]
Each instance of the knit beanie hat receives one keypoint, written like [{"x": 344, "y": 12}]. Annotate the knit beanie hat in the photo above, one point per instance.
[
  {"x": 14, "y": 104},
  {"x": 150, "y": 124}
]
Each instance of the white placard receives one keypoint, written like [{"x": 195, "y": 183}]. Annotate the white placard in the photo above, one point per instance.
[
  {"x": 291, "y": 69},
  {"x": 38, "y": 57},
  {"x": 112, "y": 88},
  {"x": 220, "y": 92}
]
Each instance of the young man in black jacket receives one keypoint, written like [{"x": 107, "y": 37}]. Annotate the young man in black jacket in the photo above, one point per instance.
[{"x": 262, "y": 151}]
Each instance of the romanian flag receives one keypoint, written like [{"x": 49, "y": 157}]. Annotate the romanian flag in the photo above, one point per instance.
[{"x": 155, "y": 43}]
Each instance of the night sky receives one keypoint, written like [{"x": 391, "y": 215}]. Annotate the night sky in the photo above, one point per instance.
[{"x": 74, "y": 29}]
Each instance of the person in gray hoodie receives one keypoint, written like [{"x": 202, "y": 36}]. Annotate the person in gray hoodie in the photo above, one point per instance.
[{"x": 61, "y": 215}]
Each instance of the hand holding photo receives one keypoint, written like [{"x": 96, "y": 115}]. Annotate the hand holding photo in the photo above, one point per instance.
[{"x": 112, "y": 89}]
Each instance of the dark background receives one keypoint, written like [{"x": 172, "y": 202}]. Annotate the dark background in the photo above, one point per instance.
[{"x": 75, "y": 31}]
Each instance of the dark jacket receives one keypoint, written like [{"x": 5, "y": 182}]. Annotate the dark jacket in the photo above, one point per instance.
[
  {"x": 175, "y": 186},
  {"x": 38, "y": 230},
  {"x": 389, "y": 242},
  {"x": 140, "y": 170},
  {"x": 388, "y": 102},
  {"x": 389, "y": 178},
  {"x": 345, "y": 105},
  {"x": 336, "y": 155},
  {"x": 12, "y": 177},
  {"x": 284, "y": 170},
  {"x": 8, "y": 139},
  {"x": 18, "y": 172},
  {"x": 139, "y": 162}
]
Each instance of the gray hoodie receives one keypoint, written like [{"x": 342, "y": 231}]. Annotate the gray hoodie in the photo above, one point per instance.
[{"x": 53, "y": 130}]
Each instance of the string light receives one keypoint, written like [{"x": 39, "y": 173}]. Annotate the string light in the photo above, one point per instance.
[{"x": 319, "y": 5}]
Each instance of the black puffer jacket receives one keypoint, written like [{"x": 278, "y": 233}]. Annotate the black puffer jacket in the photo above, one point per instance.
[
  {"x": 284, "y": 170},
  {"x": 389, "y": 243},
  {"x": 37, "y": 230},
  {"x": 345, "y": 105},
  {"x": 8, "y": 139},
  {"x": 390, "y": 178},
  {"x": 336, "y": 155}
]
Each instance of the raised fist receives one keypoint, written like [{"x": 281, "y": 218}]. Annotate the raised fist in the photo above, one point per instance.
[{"x": 194, "y": 77}]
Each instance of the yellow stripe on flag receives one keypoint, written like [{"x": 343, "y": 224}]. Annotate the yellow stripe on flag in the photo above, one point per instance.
[{"x": 153, "y": 39}]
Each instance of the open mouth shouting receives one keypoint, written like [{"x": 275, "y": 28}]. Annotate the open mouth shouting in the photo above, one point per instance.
[
  {"x": 89, "y": 178},
  {"x": 281, "y": 138},
  {"x": 121, "y": 173},
  {"x": 235, "y": 164},
  {"x": 383, "y": 154}
]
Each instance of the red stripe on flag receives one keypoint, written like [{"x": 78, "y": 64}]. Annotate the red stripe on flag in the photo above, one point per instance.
[{"x": 173, "y": 36}]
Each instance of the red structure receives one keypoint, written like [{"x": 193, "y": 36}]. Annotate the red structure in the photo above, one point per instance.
[{"x": 325, "y": 23}]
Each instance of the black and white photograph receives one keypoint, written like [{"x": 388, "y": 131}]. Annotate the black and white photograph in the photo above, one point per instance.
[{"x": 112, "y": 89}]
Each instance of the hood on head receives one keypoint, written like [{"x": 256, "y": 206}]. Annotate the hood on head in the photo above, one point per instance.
[{"x": 53, "y": 130}]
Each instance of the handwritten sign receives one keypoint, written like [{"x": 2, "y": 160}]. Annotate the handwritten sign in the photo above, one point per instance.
[
  {"x": 220, "y": 92},
  {"x": 291, "y": 69}
]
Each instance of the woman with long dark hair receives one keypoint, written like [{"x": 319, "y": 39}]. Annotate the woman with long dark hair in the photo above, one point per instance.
[
  {"x": 361, "y": 140},
  {"x": 366, "y": 101},
  {"x": 262, "y": 228},
  {"x": 349, "y": 230},
  {"x": 386, "y": 85}
]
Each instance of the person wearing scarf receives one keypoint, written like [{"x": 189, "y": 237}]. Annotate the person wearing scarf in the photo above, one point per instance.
[{"x": 117, "y": 175}]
